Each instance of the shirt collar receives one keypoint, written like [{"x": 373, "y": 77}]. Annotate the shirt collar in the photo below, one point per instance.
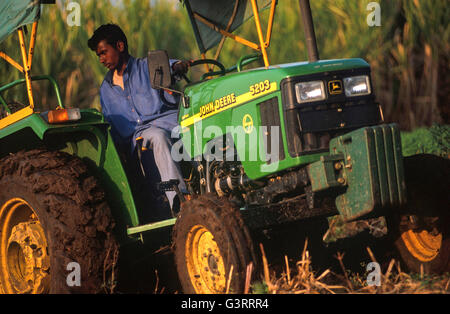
[{"x": 128, "y": 69}]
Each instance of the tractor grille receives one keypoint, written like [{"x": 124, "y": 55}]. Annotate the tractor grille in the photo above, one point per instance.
[
  {"x": 311, "y": 126},
  {"x": 270, "y": 117}
]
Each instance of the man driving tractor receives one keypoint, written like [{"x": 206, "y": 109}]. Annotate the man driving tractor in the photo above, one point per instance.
[{"x": 134, "y": 109}]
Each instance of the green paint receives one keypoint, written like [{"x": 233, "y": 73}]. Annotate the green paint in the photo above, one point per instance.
[
  {"x": 196, "y": 136},
  {"x": 373, "y": 170},
  {"x": 324, "y": 174}
]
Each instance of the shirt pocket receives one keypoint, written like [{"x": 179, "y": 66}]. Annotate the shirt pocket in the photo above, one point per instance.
[{"x": 147, "y": 102}]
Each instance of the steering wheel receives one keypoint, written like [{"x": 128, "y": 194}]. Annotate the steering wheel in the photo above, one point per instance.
[
  {"x": 208, "y": 74},
  {"x": 243, "y": 61}
]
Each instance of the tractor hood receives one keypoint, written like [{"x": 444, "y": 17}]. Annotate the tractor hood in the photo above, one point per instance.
[{"x": 240, "y": 82}]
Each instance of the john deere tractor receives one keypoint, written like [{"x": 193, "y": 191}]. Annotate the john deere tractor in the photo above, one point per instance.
[{"x": 267, "y": 146}]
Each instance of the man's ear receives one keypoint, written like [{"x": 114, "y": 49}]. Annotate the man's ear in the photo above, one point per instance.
[{"x": 120, "y": 46}]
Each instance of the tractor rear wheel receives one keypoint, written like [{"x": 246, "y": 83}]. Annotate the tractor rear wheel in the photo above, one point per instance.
[
  {"x": 421, "y": 231},
  {"x": 54, "y": 222},
  {"x": 210, "y": 241}
]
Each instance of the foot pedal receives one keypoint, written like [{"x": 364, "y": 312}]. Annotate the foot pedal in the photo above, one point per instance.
[{"x": 171, "y": 185}]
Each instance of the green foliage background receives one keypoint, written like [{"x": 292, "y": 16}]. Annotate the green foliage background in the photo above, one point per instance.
[
  {"x": 434, "y": 140},
  {"x": 409, "y": 53}
]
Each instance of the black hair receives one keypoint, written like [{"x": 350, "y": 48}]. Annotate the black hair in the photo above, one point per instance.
[{"x": 112, "y": 33}]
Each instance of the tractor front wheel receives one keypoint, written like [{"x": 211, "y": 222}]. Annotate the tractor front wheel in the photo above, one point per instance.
[
  {"x": 423, "y": 244},
  {"x": 421, "y": 232},
  {"x": 212, "y": 246}
]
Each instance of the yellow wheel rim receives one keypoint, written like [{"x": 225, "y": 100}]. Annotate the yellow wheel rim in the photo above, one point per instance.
[
  {"x": 204, "y": 261},
  {"x": 422, "y": 244},
  {"x": 24, "y": 258}
]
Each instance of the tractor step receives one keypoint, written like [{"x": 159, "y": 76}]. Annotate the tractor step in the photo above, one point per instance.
[
  {"x": 133, "y": 231},
  {"x": 170, "y": 185}
]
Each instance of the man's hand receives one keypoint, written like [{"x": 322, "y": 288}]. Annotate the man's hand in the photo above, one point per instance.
[{"x": 181, "y": 67}]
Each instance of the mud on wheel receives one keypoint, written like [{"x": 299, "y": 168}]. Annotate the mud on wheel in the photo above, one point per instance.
[
  {"x": 209, "y": 239},
  {"x": 421, "y": 232},
  {"x": 52, "y": 213}
]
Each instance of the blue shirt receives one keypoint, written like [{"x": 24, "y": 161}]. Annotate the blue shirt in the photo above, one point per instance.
[{"x": 136, "y": 107}]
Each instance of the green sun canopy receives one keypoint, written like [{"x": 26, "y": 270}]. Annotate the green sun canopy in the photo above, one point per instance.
[
  {"x": 17, "y": 13},
  {"x": 218, "y": 12}
]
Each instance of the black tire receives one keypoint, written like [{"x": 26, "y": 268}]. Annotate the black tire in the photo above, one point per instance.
[
  {"x": 56, "y": 192},
  {"x": 421, "y": 231},
  {"x": 219, "y": 219}
]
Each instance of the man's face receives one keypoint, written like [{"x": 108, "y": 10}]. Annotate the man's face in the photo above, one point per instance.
[{"x": 108, "y": 55}]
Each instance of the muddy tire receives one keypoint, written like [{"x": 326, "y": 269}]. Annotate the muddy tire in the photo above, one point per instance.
[
  {"x": 53, "y": 214},
  {"x": 421, "y": 232},
  {"x": 209, "y": 238}
]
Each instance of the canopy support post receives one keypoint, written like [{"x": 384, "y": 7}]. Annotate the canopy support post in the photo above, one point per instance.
[
  {"x": 32, "y": 43},
  {"x": 26, "y": 67},
  {"x": 270, "y": 24},
  {"x": 260, "y": 34}
]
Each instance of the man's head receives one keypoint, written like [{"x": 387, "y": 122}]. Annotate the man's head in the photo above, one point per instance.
[{"x": 110, "y": 44}]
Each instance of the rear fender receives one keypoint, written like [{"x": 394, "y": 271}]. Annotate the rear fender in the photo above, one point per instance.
[{"x": 90, "y": 140}]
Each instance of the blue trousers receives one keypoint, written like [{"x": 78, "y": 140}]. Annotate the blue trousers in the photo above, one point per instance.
[{"x": 159, "y": 144}]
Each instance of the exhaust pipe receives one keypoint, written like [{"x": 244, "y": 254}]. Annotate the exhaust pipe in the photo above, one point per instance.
[{"x": 310, "y": 35}]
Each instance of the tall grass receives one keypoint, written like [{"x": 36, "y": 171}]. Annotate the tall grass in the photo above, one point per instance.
[
  {"x": 409, "y": 54},
  {"x": 62, "y": 50},
  {"x": 434, "y": 140}
]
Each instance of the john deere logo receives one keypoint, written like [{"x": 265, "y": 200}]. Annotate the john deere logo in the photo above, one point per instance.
[
  {"x": 247, "y": 123},
  {"x": 335, "y": 87}
]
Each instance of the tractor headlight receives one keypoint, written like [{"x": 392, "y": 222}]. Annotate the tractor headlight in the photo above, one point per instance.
[
  {"x": 310, "y": 91},
  {"x": 357, "y": 85}
]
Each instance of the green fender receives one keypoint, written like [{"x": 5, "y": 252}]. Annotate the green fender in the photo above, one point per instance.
[{"x": 89, "y": 139}]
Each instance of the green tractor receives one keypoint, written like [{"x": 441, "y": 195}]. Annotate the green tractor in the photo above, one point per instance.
[{"x": 262, "y": 147}]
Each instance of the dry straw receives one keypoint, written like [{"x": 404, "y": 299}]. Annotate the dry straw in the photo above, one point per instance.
[{"x": 393, "y": 280}]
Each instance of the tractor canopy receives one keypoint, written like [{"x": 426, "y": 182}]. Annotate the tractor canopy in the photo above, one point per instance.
[
  {"x": 17, "y": 13},
  {"x": 210, "y": 18}
]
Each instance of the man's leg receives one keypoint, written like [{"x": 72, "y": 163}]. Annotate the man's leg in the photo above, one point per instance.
[{"x": 158, "y": 140}]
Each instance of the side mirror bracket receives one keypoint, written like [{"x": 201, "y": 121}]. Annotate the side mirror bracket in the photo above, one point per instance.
[{"x": 161, "y": 75}]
